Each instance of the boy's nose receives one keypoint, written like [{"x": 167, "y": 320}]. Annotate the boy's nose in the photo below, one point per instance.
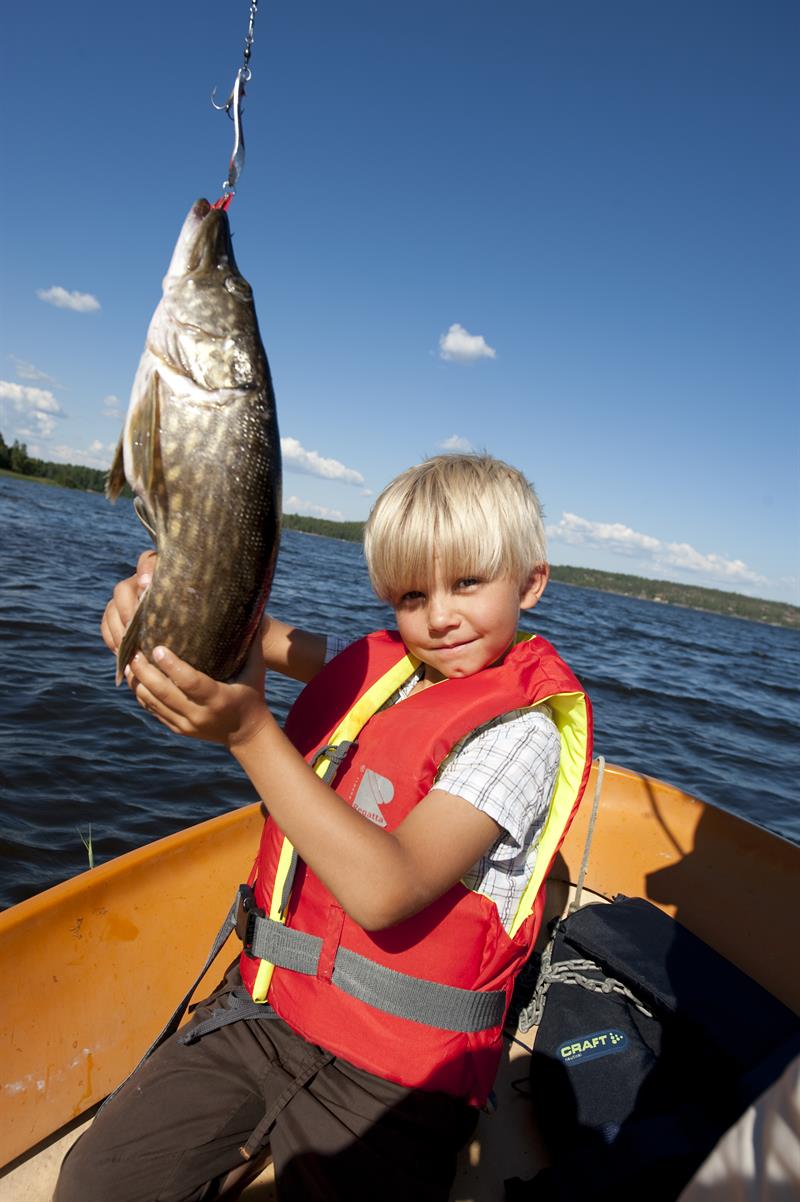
[{"x": 442, "y": 613}]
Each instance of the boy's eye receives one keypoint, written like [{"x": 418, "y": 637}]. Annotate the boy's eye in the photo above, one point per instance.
[
  {"x": 467, "y": 582},
  {"x": 411, "y": 596}
]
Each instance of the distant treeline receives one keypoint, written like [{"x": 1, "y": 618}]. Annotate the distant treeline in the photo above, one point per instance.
[
  {"x": 71, "y": 475},
  {"x": 777, "y": 613},
  {"x": 349, "y": 532},
  {"x": 15, "y": 458}
]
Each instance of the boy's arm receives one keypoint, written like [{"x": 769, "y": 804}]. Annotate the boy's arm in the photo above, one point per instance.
[
  {"x": 291, "y": 651},
  {"x": 285, "y": 649},
  {"x": 379, "y": 878}
]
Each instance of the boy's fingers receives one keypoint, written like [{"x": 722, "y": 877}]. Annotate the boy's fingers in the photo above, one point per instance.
[
  {"x": 193, "y": 684},
  {"x": 149, "y": 702},
  {"x": 144, "y": 571},
  {"x": 125, "y": 599},
  {"x": 146, "y": 563},
  {"x": 111, "y": 627},
  {"x": 155, "y": 690}
]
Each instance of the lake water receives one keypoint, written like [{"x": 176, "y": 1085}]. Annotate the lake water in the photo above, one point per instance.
[{"x": 709, "y": 703}]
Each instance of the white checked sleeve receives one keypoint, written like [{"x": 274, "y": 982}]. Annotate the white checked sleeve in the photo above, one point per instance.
[
  {"x": 508, "y": 771},
  {"x": 334, "y": 644}
]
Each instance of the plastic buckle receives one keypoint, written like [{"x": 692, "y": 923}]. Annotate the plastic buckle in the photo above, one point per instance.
[
  {"x": 246, "y": 914},
  {"x": 335, "y": 754}
]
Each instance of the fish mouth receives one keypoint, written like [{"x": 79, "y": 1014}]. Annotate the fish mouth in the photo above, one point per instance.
[{"x": 204, "y": 243}]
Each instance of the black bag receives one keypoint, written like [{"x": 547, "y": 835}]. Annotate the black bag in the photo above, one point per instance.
[{"x": 631, "y": 1103}]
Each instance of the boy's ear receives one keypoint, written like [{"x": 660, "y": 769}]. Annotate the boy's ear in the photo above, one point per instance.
[{"x": 534, "y": 586}]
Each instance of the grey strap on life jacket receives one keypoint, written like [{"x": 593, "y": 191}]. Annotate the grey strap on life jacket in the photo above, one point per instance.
[
  {"x": 231, "y": 1008},
  {"x": 445, "y": 1006},
  {"x": 335, "y": 754}
]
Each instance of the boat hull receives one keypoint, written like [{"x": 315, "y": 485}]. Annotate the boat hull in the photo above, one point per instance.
[{"x": 101, "y": 960}]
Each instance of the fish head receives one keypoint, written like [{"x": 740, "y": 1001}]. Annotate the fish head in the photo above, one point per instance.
[
  {"x": 204, "y": 244},
  {"x": 205, "y": 327}
]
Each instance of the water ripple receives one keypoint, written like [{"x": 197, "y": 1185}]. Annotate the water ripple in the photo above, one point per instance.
[{"x": 704, "y": 701}]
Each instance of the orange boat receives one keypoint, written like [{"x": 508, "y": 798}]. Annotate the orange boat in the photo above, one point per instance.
[{"x": 86, "y": 952}]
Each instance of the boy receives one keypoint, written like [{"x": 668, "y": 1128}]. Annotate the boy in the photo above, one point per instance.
[{"x": 416, "y": 799}]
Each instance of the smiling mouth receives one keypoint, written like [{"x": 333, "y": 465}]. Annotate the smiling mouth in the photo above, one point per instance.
[{"x": 455, "y": 646}]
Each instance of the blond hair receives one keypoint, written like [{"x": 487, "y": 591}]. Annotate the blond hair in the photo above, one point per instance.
[{"x": 477, "y": 515}]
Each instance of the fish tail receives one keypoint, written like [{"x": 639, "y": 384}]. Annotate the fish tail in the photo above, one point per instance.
[{"x": 130, "y": 643}]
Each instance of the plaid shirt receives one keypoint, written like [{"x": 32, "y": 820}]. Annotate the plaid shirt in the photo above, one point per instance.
[{"x": 506, "y": 769}]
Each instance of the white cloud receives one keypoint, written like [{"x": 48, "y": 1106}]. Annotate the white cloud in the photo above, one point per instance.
[
  {"x": 26, "y": 398},
  {"x": 309, "y": 509},
  {"x": 575, "y": 530},
  {"x": 79, "y": 302},
  {"x": 112, "y": 406},
  {"x": 460, "y": 346},
  {"x": 37, "y": 406},
  {"x": 43, "y": 426},
  {"x": 97, "y": 455},
  {"x": 310, "y": 463},
  {"x": 681, "y": 555},
  {"x": 28, "y": 371},
  {"x": 660, "y": 556},
  {"x": 456, "y": 443}
]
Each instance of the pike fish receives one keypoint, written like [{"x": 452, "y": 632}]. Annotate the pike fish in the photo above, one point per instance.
[{"x": 201, "y": 451}]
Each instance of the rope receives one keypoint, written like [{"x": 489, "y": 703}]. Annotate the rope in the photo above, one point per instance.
[
  {"x": 571, "y": 972},
  {"x": 587, "y": 847}
]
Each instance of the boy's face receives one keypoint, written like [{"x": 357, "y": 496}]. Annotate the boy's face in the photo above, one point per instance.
[{"x": 458, "y": 627}]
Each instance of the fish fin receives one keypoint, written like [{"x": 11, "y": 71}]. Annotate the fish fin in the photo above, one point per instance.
[
  {"x": 130, "y": 643},
  {"x": 144, "y": 433},
  {"x": 155, "y": 468},
  {"x": 115, "y": 479},
  {"x": 146, "y": 518}
]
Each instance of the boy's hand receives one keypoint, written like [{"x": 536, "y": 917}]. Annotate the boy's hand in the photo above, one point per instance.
[
  {"x": 127, "y": 595},
  {"x": 190, "y": 703}
]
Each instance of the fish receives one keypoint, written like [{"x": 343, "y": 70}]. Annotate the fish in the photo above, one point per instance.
[{"x": 200, "y": 450}]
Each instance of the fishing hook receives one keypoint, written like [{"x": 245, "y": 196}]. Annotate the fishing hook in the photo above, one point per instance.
[{"x": 233, "y": 107}]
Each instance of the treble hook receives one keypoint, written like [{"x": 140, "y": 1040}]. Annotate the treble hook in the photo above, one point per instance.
[{"x": 233, "y": 107}]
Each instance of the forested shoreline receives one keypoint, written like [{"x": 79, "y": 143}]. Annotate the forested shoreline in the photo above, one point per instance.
[
  {"x": 690, "y": 596},
  {"x": 15, "y": 461}
]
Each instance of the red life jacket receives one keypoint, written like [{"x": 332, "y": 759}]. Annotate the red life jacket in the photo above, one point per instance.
[{"x": 458, "y": 941}]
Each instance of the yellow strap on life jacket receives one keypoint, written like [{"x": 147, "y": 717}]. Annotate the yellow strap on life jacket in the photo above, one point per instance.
[
  {"x": 346, "y": 732},
  {"x": 571, "y": 717}
]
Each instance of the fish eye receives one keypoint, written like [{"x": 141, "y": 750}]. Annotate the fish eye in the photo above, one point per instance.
[{"x": 238, "y": 287}]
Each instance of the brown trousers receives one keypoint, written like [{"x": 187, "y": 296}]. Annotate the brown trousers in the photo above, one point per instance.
[{"x": 179, "y": 1125}]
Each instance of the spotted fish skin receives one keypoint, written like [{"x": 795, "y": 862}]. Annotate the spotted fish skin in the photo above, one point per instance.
[{"x": 201, "y": 451}]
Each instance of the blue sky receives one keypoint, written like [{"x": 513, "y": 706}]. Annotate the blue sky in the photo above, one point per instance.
[{"x": 564, "y": 233}]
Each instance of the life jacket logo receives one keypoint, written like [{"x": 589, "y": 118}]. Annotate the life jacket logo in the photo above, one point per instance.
[
  {"x": 591, "y": 1047},
  {"x": 373, "y": 792}
]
